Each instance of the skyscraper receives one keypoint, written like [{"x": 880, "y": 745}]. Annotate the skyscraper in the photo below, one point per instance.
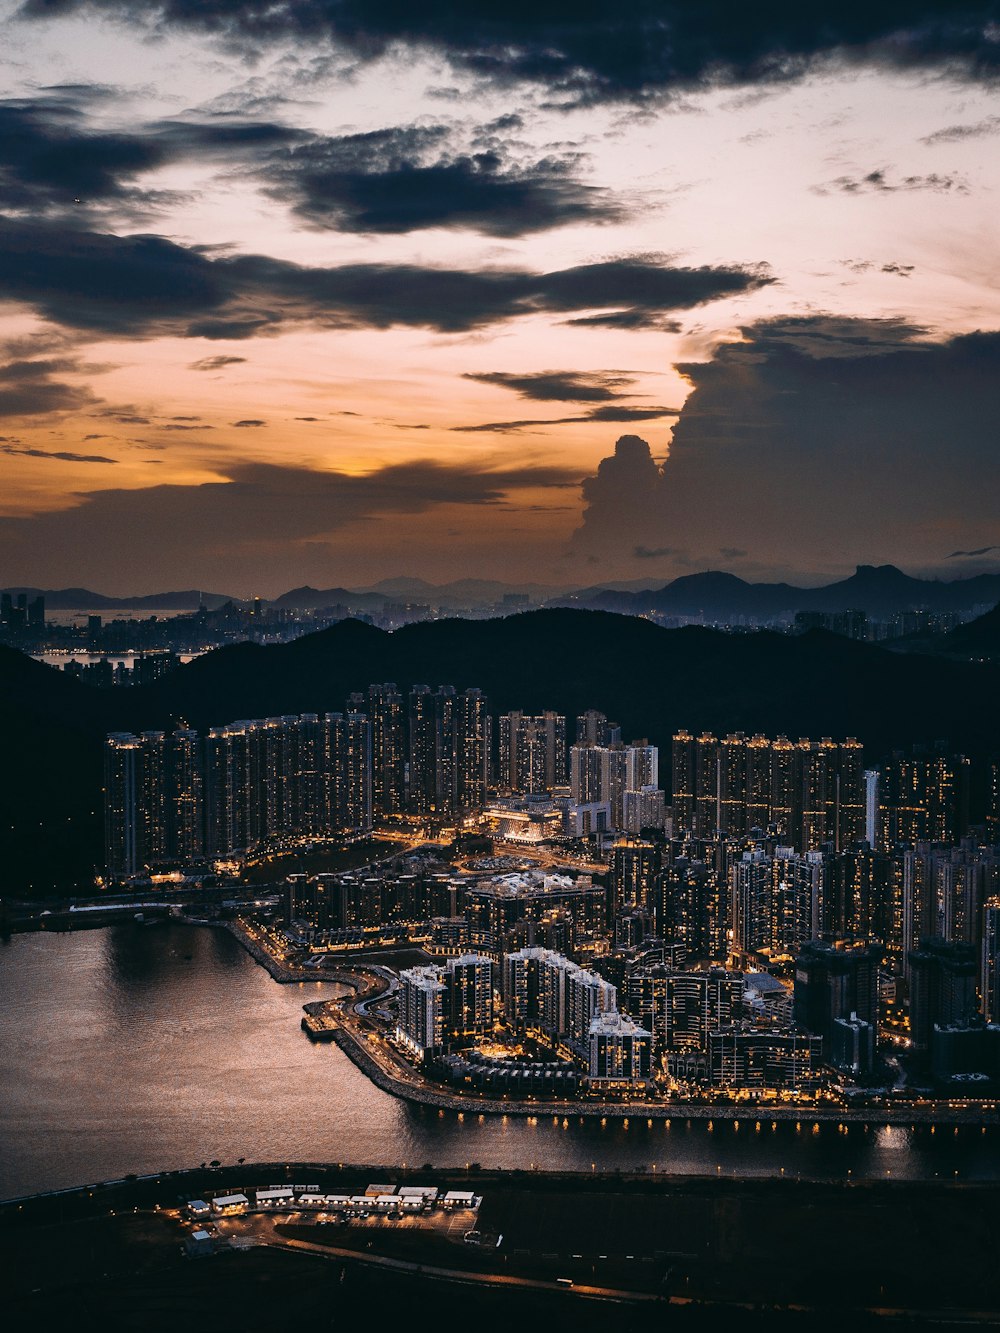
[
  {"x": 385, "y": 714},
  {"x": 532, "y": 752}
]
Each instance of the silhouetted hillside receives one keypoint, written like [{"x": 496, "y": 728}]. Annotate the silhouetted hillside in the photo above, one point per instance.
[
  {"x": 979, "y": 638},
  {"x": 653, "y": 681},
  {"x": 879, "y": 590}
]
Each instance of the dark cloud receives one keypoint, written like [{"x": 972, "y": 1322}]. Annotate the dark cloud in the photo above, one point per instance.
[
  {"x": 406, "y": 178},
  {"x": 52, "y": 162},
  {"x": 48, "y": 159},
  {"x": 883, "y": 182},
  {"x": 605, "y": 414},
  {"x": 657, "y": 553},
  {"x": 642, "y": 320},
  {"x": 815, "y": 440},
  {"x": 28, "y": 388},
  {"x": 217, "y": 362},
  {"x": 561, "y": 386},
  {"x": 601, "y": 49},
  {"x": 248, "y": 421},
  {"x": 956, "y": 133},
  {"x": 61, "y": 455},
  {"x": 251, "y": 524},
  {"x": 146, "y": 286},
  {"x": 869, "y": 266},
  {"x": 981, "y": 550}
]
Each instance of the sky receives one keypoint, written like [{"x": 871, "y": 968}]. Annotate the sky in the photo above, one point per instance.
[{"x": 329, "y": 291}]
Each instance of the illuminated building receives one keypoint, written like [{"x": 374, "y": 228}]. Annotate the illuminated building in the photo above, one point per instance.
[
  {"x": 634, "y": 868},
  {"x": 746, "y": 1058},
  {"x": 153, "y": 800},
  {"x": 836, "y": 981},
  {"x": 385, "y": 714},
  {"x": 989, "y": 977},
  {"x": 473, "y": 747},
  {"x": 620, "y": 1050},
  {"x": 423, "y": 1016},
  {"x": 547, "y": 992},
  {"x": 942, "y": 988},
  {"x": 808, "y": 792},
  {"x": 532, "y": 752}
]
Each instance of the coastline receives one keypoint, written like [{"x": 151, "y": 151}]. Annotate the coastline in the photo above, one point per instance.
[{"x": 350, "y": 1042}]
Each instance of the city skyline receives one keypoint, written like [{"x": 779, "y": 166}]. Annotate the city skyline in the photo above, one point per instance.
[{"x": 312, "y": 294}]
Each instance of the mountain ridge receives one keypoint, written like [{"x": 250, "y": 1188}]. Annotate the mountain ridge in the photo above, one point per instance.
[{"x": 651, "y": 680}]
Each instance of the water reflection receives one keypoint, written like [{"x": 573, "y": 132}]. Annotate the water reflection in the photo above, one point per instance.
[{"x": 145, "y": 1048}]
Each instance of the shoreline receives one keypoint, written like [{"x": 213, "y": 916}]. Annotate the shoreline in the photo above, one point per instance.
[
  {"x": 354, "y": 1048},
  {"x": 754, "y": 1114}
]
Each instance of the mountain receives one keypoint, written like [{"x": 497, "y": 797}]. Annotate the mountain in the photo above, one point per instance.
[
  {"x": 879, "y": 590},
  {"x": 652, "y": 680},
  {"x": 978, "y": 639},
  {"x": 315, "y": 599},
  {"x": 83, "y": 599}
]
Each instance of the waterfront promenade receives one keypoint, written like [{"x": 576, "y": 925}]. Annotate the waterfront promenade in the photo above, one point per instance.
[{"x": 345, "y": 1022}]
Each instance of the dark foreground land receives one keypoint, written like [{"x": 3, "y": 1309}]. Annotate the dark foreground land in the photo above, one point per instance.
[{"x": 640, "y": 1253}]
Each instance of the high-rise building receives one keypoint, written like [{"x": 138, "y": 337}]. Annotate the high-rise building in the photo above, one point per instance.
[
  {"x": 809, "y": 793},
  {"x": 532, "y": 752},
  {"x": 473, "y": 748},
  {"x": 942, "y": 988},
  {"x": 593, "y": 728},
  {"x": 385, "y": 714},
  {"x": 547, "y": 992},
  {"x": 152, "y": 801},
  {"x": 634, "y": 868},
  {"x": 695, "y": 1004},
  {"x": 620, "y": 1051},
  {"x": 644, "y": 808},
  {"x": 834, "y": 981},
  {"x": 348, "y": 773},
  {"x": 422, "y": 1021},
  {"x": 447, "y": 1005},
  {"x": 989, "y": 975},
  {"x": 691, "y": 908},
  {"x": 431, "y": 770}
]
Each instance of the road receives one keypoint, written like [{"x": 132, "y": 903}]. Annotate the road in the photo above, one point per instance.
[{"x": 263, "y": 1232}]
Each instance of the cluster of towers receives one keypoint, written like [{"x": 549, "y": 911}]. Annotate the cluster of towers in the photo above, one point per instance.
[
  {"x": 177, "y": 797},
  {"x": 808, "y": 792}
]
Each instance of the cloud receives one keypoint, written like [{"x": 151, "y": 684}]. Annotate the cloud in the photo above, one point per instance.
[
  {"x": 658, "y": 553},
  {"x": 28, "y": 389},
  {"x": 957, "y": 133},
  {"x": 217, "y": 362},
  {"x": 145, "y": 286},
  {"x": 602, "y": 50},
  {"x": 560, "y": 386},
  {"x": 59, "y": 455},
  {"x": 869, "y": 266},
  {"x": 882, "y": 182},
  {"x": 255, "y": 518},
  {"x": 406, "y": 178},
  {"x": 641, "y": 320},
  {"x": 54, "y": 163},
  {"x": 248, "y": 421},
  {"x": 981, "y": 550},
  {"x": 605, "y": 414},
  {"x": 814, "y": 440}
]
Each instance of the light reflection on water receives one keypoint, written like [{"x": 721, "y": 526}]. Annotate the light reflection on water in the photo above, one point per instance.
[{"x": 149, "y": 1048}]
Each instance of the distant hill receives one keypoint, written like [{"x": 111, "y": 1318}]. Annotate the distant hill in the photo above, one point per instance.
[
  {"x": 315, "y": 599},
  {"x": 653, "y": 681},
  {"x": 979, "y": 638},
  {"x": 83, "y": 599},
  {"x": 878, "y": 590}
]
